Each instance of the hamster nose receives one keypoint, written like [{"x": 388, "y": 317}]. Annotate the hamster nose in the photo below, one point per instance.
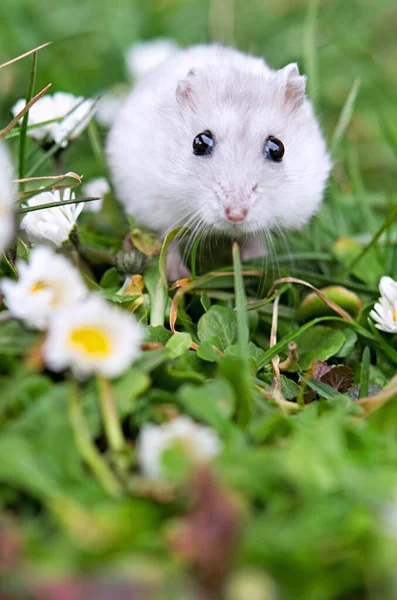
[{"x": 236, "y": 214}]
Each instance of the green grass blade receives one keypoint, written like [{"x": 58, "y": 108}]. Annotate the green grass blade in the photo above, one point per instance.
[
  {"x": 54, "y": 149},
  {"x": 391, "y": 353},
  {"x": 22, "y": 139},
  {"x": 241, "y": 303},
  {"x": 25, "y": 55},
  {"x": 310, "y": 50},
  {"x": 345, "y": 116},
  {"x": 242, "y": 379},
  {"x": 28, "y": 209},
  {"x": 193, "y": 255},
  {"x": 388, "y": 221},
  {"x": 271, "y": 353},
  {"x": 364, "y": 379},
  {"x": 169, "y": 238}
]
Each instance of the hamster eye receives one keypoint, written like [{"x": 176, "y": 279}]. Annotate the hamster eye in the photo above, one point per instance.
[
  {"x": 203, "y": 143},
  {"x": 274, "y": 149}
]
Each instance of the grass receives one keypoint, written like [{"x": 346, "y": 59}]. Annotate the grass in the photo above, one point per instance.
[{"x": 301, "y": 501}]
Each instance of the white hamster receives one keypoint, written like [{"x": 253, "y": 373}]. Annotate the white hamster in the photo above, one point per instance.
[{"x": 214, "y": 139}]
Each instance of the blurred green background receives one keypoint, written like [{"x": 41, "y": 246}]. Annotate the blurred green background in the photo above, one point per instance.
[{"x": 351, "y": 38}]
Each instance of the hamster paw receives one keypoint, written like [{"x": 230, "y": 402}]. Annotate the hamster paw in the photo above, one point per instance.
[{"x": 176, "y": 268}]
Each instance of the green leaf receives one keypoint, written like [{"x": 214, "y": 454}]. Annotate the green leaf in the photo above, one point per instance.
[
  {"x": 350, "y": 342},
  {"x": 19, "y": 390},
  {"x": 151, "y": 359},
  {"x": 178, "y": 344},
  {"x": 213, "y": 403},
  {"x": 126, "y": 390},
  {"x": 277, "y": 348},
  {"x": 289, "y": 388},
  {"x": 15, "y": 339},
  {"x": 207, "y": 352},
  {"x": 235, "y": 369},
  {"x": 205, "y": 301},
  {"x": 318, "y": 343},
  {"x": 369, "y": 269},
  {"x": 218, "y": 326},
  {"x": 364, "y": 376},
  {"x": 148, "y": 243},
  {"x": 110, "y": 279},
  {"x": 313, "y": 306},
  {"x": 158, "y": 334},
  {"x": 254, "y": 352},
  {"x": 158, "y": 294},
  {"x": 20, "y": 467}
]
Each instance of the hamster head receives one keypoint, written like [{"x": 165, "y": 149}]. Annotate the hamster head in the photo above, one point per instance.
[{"x": 249, "y": 151}]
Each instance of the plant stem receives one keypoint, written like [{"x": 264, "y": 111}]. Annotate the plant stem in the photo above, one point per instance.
[
  {"x": 364, "y": 379},
  {"x": 110, "y": 417},
  {"x": 389, "y": 221},
  {"x": 95, "y": 142},
  {"x": 85, "y": 445},
  {"x": 94, "y": 253},
  {"x": 24, "y": 126}
]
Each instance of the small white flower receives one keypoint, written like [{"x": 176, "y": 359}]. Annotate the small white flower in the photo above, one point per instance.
[
  {"x": 199, "y": 442},
  {"x": 92, "y": 337},
  {"x": 6, "y": 198},
  {"x": 57, "y": 106},
  {"x": 109, "y": 106},
  {"x": 96, "y": 187},
  {"x": 145, "y": 56},
  {"x": 51, "y": 226},
  {"x": 385, "y": 310},
  {"x": 47, "y": 283}
]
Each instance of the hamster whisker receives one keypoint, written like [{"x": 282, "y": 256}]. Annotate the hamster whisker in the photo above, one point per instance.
[
  {"x": 258, "y": 236},
  {"x": 207, "y": 236},
  {"x": 272, "y": 250},
  {"x": 196, "y": 229},
  {"x": 186, "y": 215},
  {"x": 287, "y": 246}
]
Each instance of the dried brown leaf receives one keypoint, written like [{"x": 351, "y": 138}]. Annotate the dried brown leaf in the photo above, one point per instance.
[{"x": 209, "y": 533}]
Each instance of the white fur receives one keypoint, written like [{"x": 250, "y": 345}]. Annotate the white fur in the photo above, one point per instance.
[{"x": 242, "y": 102}]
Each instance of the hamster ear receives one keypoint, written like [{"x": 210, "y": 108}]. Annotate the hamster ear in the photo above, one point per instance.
[
  {"x": 295, "y": 85},
  {"x": 185, "y": 92}
]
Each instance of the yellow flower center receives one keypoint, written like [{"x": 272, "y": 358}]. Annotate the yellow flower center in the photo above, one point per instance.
[
  {"x": 41, "y": 286},
  {"x": 91, "y": 340},
  {"x": 395, "y": 315},
  {"x": 38, "y": 287}
]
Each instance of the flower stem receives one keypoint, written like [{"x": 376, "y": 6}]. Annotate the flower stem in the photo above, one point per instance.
[
  {"x": 86, "y": 446},
  {"x": 95, "y": 254},
  {"x": 110, "y": 417}
]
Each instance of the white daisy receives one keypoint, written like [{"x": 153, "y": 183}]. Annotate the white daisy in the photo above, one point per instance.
[
  {"x": 385, "y": 310},
  {"x": 6, "y": 198},
  {"x": 145, "y": 56},
  {"x": 109, "y": 106},
  {"x": 56, "y": 106},
  {"x": 92, "y": 337},
  {"x": 47, "y": 283},
  {"x": 51, "y": 226},
  {"x": 96, "y": 187},
  {"x": 199, "y": 442}
]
